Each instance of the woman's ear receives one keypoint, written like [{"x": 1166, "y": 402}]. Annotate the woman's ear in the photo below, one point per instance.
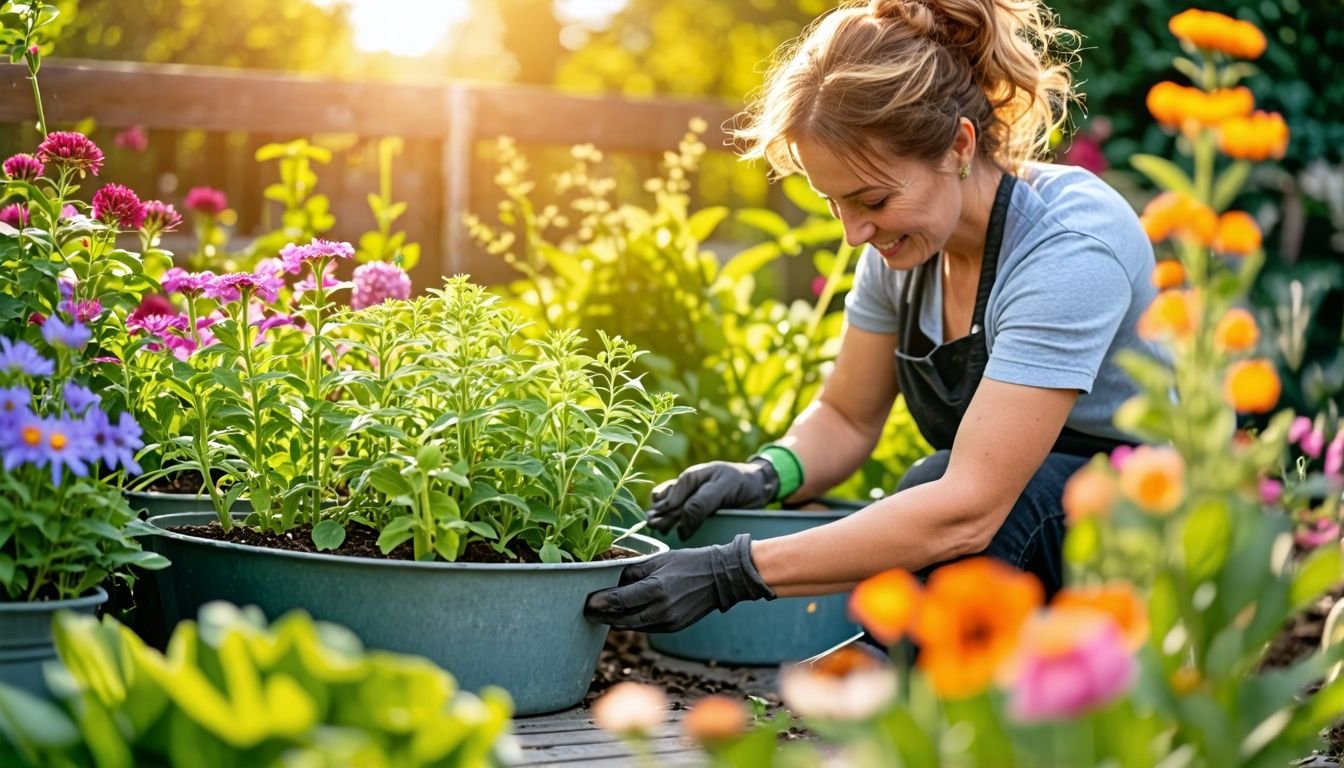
[{"x": 963, "y": 146}]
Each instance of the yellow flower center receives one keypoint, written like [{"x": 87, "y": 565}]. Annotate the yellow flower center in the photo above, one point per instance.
[
  {"x": 59, "y": 441},
  {"x": 32, "y": 436}
]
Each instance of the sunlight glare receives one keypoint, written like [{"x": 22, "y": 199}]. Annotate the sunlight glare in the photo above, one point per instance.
[{"x": 403, "y": 27}]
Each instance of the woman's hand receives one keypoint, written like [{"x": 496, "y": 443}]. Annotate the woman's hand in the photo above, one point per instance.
[{"x": 704, "y": 489}]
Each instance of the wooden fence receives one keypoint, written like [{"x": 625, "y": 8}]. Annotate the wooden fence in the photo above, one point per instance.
[{"x": 446, "y": 121}]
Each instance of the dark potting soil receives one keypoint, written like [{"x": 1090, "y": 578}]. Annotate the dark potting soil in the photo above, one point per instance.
[
  {"x": 361, "y": 541},
  {"x": 1300, "y": 637},
  {"x": 182, "y": 482}
]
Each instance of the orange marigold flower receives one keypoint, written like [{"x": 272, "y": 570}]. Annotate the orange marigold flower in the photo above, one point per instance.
[
  {"x": 1237, "y": 331},
  {"x": 715, "y": 719},
  {"x": 1252, "y": 386},
  {"x": 1174, "y": 214},
  {"x": 1217, "y": 32},
  {"x": 1118, "y": 600},
  {"x": 1174, "y": 314},
  {"x": 885, "y": 604},
  {"x": 1153, "y": 477},
  {"x": 1180, "y": 106},
  {"x": 1238, "y": 234},
  {"x": 969, "y": 621},
  {"x": 1256, "y": 137},
  {"x": 853, "y": 682},
  {"x": 1090, "y": 492},
  {"x": 1168, "y": 273}
]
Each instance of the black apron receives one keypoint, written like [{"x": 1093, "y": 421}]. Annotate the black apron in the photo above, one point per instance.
[{"x": 939, "y": 381}]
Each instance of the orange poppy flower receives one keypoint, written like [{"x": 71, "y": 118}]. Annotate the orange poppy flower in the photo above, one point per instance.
[
  {"x": 1180, "y": 106},
  {"x": 1217, "y": 32},
  {"x": 969, "y": 621},
  {"x": 1238, "y": 234},
  {"x": 1090, "y": 492},
  {"x": 1237, "y": 331},
  {"x": 1174, "y": 314},
  {"x": 1174, "y": 214},
  {"x": 1252, "y": 386},
  {"x": 1256, "y": 137},
  {"x": 1118, "y": 600},
  {"x": 1153, "y": 477},
  {"x": 885, "y": 604},
  {"x": 1168, "y": 273},
  {"x": 715, "y": 719}
]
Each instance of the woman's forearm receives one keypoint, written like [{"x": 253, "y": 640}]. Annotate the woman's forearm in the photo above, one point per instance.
[{"x": 830, "y": 447}]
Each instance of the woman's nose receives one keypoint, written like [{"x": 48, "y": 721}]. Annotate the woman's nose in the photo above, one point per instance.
[{"x": 857, "y": 229}]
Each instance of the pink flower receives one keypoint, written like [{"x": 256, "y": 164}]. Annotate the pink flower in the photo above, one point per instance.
[
  {"x": 377, "y": 282},
  {"x": 818, "y": 285},
  {"x": 1271, "y": 491},
  {"x": 156, "y": 325},
  {"x": 1317, "y": 533},
  {"x": 1334, "y": 455},
  {"x": 206, "y": 200},
  {"x": 24, "y": 167},
  {"x": 1120, "y": 455},
  {"x": 231, "y": 287},
  {"x": 151, "y": 304},
  {"x": 295, "y": 256},
  {"x": 160, "y": 217},
  {"x": 1071, "y": 661},
  {"x": 1299, "y": 429},
  {"x": 15, "y": 215},
  {"x": 83, "y": 311},
  {"x": 1313, "y": 443},
  {"x": 178, "y": 280},
  {"x": 328, "y": 281},
  {"x": 1085, "y": 152},
  {"x": 71, "y": 151},
  {"x": 132, "y": 138},
  {"x": 118, "y": 205}
]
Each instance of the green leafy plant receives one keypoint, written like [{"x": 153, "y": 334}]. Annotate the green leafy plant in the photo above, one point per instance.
[
  {"x": 304, "y": 214},
  {"x": 463, "y": 430},
  {"x": 231, "y": 691},
  {"x": 749, "y": 364},
  {"x": 384, "y": 244}
]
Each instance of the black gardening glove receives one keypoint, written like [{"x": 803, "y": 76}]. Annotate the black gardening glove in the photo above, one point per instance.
[
  {"x": 673, "y": 590},
  {"x": 704, "y": 489}
]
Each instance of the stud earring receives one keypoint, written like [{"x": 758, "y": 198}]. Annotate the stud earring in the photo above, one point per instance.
[{"x": 965, "y": 170}]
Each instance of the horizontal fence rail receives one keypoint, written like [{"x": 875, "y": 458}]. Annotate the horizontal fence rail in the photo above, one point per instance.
[{"x": 454, "y": 115}]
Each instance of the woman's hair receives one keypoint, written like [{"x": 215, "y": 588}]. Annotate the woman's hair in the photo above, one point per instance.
[{"x": 895, "y": 76}]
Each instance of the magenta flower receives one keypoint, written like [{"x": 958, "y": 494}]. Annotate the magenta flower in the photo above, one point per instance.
[
  {"x": 15, "y": 215},
  {"x": 1271, "y": 491},
  {"x": 818, "y": 285},
  {"x": 24, "y": 167},
  {"x": 308, "y": 284},
  {"x": 151, "y": 304},
  {"x": 1334, "y": 456},
  {"x": 160, "y": 217},
  {"x": 1299, "y": 429},
  {"x": 71, "y": 151},
  {"x": 1317, "y": 533},
  {"x": 1119, "y": 455},
  {"x": 156, "y": 325},
  {"x": 230, "y": 287},
  {"x": 83, "y": 311},
  {"x": 207, "y": 201},
  {"x": 295, "y": 256},
  {"x": 117, "y": 205},
  {"x": 1071, "y": 661},
  {"x": 377, "y": 281},
  {"x": 271, "y": 274},
  {"x": 178, "y": 280},
  {"x": 133, "y": 138},
  {"x": 1313, "y": 443}
]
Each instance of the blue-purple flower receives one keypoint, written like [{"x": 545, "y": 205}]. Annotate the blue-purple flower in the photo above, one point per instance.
[
  {"x": 78, "y": 397},
  {"x": 295, "y": 256},
  {"x": 60, "y": 334},
  {"x": 114, "y": 444},
  {"x": 15, "y": 402},
  {"x": 19, "y": 357}
]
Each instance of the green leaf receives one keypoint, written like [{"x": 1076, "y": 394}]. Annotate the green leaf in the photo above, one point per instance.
[
  {"x": 395, "y": 533},
  {"x": 765, "y": 220},
  {"x": 800, "y": 193},
  {"x": 1229, "y": 183},
  {"x": 328, "y": 535},
  {"x": 746, "y": 263},
  {"x": 1163, "y": 173},
  {"x": 390, "y": 482},
  {"x": 1207, "y": 538},
  {"x": 703, "y": 222},
  {"x": 1318, "y": 573},
  {"x": 550, "y": 553}
]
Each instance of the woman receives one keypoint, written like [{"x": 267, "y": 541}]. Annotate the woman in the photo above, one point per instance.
[{"x": 1003, "y": 290}]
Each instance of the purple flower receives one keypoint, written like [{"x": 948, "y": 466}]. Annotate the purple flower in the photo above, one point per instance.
[
  {"x": 376, "y": 282},
  {"x": 207, "y": 201},
  {"x": 14, "y": 404},
  {"x": 272, "y": 321},
  {"x": 1313, "y": 443},
  {"x": 114, "y": 444},
  {"x": 178, "y": 280},
  {"x": 160, "y": 217},
  {"x": 1271, "y": 491},
  {"x": 1334, "y": 456},
  {"x": 118, "y": 205},
  {"x": 1299, "y": 429},
  {"x": 308, "y": 284},
  {"x": 15, "y": 215},
  {"x": 78, "y": 397},
  {"x": 72, "y": 151},
  {"x": 151, "y": 304},
  {"x": 156, "y": 325},
  {"x": 20, "y": 357},
  {"x": 24, "y": 167},
  {"x": 59, "y": 443},
  {"x": 295, "y": 256},
  {"x": 105, "y": 360},
  {"x": 72, "y": 336},
  {"x": 271, "y": 275},
  {"x": 69, "y": 211},
  {"x": 132, "y": 138},
  {"x": 1316, "y": 533},
  {"x": 223, "y": 288}
]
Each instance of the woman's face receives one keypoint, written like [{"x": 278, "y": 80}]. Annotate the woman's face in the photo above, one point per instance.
[{"x": 907, "y": 214}]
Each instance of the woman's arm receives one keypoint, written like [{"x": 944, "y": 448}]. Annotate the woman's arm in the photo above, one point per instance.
[
  {"x": 1004, "y": 438},
  {"x": 836, "y": 433}
]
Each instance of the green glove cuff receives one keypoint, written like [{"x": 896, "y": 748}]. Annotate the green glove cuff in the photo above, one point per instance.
[{"x": 787, "y": 465}]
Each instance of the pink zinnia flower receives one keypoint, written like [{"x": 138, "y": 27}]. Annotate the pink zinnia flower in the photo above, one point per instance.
[
  {"x": 132, "y": 138},
  {"x": 377, "y": 282},
  {"x": 1313, "y": 443},
  {"x": 151, "y": 304},
  {"x": 24, "y": 167},
  {"x": 1299, "y": 429},
  {"x": 1317, "y": 533},
  {"x": 229, "y": 287},
  {"x": 295, "y": 256},
  {"x": 161, "y": 217},
  {"x": 15, "y": 215},
  {"x": 69, "y": 150},
  {"x": 1071, "y": 661},
  {"x": 83, "y": 311},
  {"x": 118, "y": 205},
  {"x": 271, "y": 273},
  {"x": 1271, "y": 491},
  {"x": 206, "y": 200},
  {"x": 178, "y": 280}
]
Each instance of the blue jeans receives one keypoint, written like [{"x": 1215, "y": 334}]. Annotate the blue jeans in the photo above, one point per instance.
[{"x": 1031, "y": 539}]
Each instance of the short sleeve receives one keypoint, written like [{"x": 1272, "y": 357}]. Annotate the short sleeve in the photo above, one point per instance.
[
  {"x": 871, "y": 304},
  {"x": 1058, "y": 314}
]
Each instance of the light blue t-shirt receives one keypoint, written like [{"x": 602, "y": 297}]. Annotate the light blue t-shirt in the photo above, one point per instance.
[{"x": 1074, "y": 275}]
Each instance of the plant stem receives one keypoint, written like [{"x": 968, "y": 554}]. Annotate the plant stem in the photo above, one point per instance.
[
  {"x": 315, "y": 387},
  {"x": 258, "y": 473}
]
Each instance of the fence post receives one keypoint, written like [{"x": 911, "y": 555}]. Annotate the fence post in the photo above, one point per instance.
[{"x": 455, "y": 171}]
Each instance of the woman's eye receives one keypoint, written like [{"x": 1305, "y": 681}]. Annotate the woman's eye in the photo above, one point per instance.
[{"x": 876, "y": 205}]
